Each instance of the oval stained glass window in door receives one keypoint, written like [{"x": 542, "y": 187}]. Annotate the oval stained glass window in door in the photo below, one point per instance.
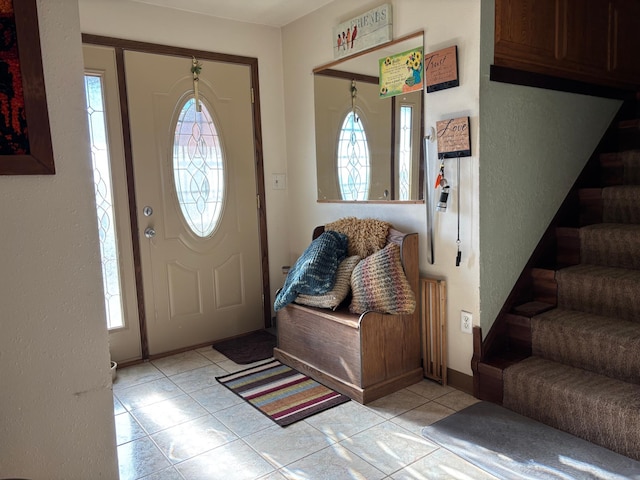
[
  {"x": 198, "y": 168},
  {"x": 353, "y": 159}
]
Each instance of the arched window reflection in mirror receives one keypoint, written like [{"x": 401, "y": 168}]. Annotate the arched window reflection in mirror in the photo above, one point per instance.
[
  {"x": 394, "y": 128},
  {"x": 353, "y": 159}
]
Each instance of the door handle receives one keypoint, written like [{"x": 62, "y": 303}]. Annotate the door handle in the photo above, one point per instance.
[{"x": 149, "y": 232}]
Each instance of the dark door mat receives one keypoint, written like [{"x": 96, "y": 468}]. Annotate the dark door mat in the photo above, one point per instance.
[
  {"x": 511, "y": 446},
  {"x": 248, "y": 349}
]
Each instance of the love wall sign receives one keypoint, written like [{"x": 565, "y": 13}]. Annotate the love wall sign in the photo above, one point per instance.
[{"x": 454, "y": 138}]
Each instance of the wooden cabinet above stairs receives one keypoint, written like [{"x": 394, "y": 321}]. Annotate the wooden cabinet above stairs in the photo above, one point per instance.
[{"x": 596, "y": 43}]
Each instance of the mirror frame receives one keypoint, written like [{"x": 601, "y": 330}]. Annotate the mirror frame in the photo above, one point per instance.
[{"x": 328, "y": 69}]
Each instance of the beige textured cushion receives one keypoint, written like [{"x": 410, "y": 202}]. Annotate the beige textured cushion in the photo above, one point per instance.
[
  {"x": 340, "y": 290},
  {"x": 366, "y": 235},
  {"x": 379, "y": 284}
]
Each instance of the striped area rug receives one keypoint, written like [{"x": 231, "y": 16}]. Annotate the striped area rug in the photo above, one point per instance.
[{"x": 281, "y": 393}]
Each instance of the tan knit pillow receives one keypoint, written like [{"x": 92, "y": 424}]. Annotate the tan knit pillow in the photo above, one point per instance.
[
  {"x": 340, "y": 290},
  {"x": 366, "y": 235},
  {"x": 379, "y": 284}
]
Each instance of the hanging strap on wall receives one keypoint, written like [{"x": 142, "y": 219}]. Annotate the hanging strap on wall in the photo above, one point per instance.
[
  {"x": 458, "y": 242},
  {"x": 430, "y": 138}
]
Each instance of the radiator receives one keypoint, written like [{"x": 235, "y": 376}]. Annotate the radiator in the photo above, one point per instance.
[{"x": 434, "y": 329}]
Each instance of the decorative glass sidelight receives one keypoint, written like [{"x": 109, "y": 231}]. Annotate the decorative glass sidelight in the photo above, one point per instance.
[
  {"x": 198, "y": 168},
  {"x": 104, "y": 200},
  {"x": 353, "y": 159},
  {"x": 405, "y": 150}
]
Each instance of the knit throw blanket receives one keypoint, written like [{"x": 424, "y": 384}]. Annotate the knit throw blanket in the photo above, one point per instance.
[
  {"x": 366, "y": 235},
  {"x": 314, "y": 273}
]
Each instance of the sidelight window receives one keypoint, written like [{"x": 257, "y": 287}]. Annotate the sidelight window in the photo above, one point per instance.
[
  {"x": 405, "y": 150},
  {"x": 111, "y": 276}
]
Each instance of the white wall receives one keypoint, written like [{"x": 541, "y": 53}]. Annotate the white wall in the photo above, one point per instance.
[
  {"x": 307, "y": 43},
  {"x": 147, "y": 23},
  {"x": 534, "y": 143},
  {"x": 56, "y": 404}
]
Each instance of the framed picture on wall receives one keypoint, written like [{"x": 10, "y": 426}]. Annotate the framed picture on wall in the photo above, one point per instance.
[
  {"x": 441, "y": 69},
  {"x": 400, "y": 73},
  {"x": 25, "y": 137},
  {"x": 363, "y": 32},
  {"x": 454, "y": 138}
]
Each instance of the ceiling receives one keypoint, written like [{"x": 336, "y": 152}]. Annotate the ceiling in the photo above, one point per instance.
[{"x": 275, "y": 13}]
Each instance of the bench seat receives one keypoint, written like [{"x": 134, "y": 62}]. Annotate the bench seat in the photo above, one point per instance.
[{"x": 363, "y": 356}]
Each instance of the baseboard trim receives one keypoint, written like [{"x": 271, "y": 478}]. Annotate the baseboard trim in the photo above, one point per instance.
[{"x": 460, "y": 381}]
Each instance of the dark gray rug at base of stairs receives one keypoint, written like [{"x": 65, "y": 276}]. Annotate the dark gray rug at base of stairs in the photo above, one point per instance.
[{"x": 511, "y": 447}]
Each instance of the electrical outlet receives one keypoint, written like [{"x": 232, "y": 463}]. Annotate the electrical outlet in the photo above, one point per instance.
[{"x": 466, "y": 322}]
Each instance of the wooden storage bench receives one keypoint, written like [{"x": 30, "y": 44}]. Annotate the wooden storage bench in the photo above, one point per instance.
[{"x": 363, "y": 356}]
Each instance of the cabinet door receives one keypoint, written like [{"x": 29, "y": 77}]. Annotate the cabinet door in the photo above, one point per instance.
[
  {"x": 583, "y": 36},
  {"x": 626, "y": 40},
  {"x": 526, "y": 31}
]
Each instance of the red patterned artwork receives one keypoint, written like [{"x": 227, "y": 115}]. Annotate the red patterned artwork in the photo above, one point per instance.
[{"x": 13, "y": 125}]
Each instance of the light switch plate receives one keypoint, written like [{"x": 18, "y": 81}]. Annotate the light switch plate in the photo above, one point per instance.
[{"x": 279, "y": 181}]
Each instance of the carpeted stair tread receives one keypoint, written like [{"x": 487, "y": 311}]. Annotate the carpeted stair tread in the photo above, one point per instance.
[
  {"x": 620, "y": 204},
  {"x": 602, "y": 290},
  {"x": 611, "y": 244},
  {"x": 595, "y": 407},
  {"x": 631, "y": 165},
  {"x": 571, "y": 337}
]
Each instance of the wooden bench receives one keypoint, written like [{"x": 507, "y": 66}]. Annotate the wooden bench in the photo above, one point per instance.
[{"x": 363, "y": 356}]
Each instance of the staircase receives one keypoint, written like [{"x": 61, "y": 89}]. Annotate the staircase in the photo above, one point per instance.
[{"x": 569, "y": 356}]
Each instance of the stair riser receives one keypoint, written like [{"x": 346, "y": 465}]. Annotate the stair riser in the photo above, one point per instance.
[
  {"x": 545, "y": 287},
  {"x": 621, "y": 204},
  {"x": 613, "y": 297},
  {"x": 629, "y": 134},
  {"x": 602, "y": 346},
  {"x": 620, "y": 168},
  {"x": 614, "y": 247}
]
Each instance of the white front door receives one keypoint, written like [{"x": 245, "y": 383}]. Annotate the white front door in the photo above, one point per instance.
[
  {"x": 199, "y": 274},
  {"x": 198, "y": 286}
]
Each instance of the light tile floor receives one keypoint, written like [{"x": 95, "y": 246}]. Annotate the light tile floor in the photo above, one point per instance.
[{"x": 174, "y": 421}]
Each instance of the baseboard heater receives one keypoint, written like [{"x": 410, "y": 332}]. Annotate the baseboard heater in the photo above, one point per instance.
[{"x": 434, "y": 329}]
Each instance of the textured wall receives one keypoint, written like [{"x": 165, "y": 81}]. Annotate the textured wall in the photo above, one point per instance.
[{"x": 56, "y": 405}]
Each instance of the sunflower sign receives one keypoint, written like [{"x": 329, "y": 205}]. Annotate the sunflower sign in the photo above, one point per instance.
[{"x": 401, "y": 73}]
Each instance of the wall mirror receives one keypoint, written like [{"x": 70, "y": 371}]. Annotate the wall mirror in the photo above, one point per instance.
[{"x": 368, "y": 149}]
